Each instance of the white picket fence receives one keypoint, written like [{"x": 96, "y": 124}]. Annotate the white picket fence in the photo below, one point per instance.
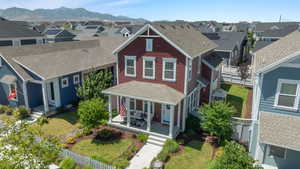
[
  {"x": 85, "y": 161},
  {"x": 241, "y": 128},
  {"x": 231, "y": 74}
]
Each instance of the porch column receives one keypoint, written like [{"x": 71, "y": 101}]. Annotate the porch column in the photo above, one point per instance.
[
  {"x": 45, "y": 97},
  {"x": 184, "y": 114},
  {"x": 178, "y": 115},
  {"x": 110, "y": 108},
  {"x": 25, "y": 94},
  {"x": 149, "y": 116},
  {"x": 171, "y": 125},
  {"x": 127, "y": 111}
]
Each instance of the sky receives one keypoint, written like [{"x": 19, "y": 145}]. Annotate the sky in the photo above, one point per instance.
[{"x": 191, "y": 10}]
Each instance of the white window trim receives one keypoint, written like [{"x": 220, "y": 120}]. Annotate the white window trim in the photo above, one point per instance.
[
  {"x": 269, "y": 149},
  {"x": 134, "y": 100},
  {"x": 0, "y": 62},
  {"x": 174, "y": 60},
  {"x": 62, "y": 82},
  {"x": 190, "y": 66},
  {"x": 134, "y": 63},
  {"x": 76, "y": 77},
  {"x": 147, "y": 58},
  {"x": 296, "y": 103},
  {"x": 148, "y": 42},
  {"x": 16, "y": 87}
]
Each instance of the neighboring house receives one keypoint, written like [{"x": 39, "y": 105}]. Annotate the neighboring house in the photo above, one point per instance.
[
  {"x": 231, "y": 46},
  {"x": 16, "y": 34},
  {"x": 207, "y": 26},
  {"x": 273, "y": 35},
  {"x": 260, "y": 44},
  {"x": 58, "y": 35},
  {"x": 243, "y": 27},
  {"x": 45, "y": 77},
  {"x": 165, "y": 71},
  {"x": 275, "y": 131},
  {"x": 129, "y": 30},
  {"x": 229, "y": 27},
  {"x": 261, "y": 27}
]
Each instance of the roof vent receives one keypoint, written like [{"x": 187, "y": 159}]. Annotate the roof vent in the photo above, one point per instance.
[
  {"x": 173, "y": 26},
  {"x": 162, "y": 26}
]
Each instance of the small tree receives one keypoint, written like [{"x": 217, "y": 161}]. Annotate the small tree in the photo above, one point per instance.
[
  {"x": 92, "y": 112},
  {"x": 234, "y": 157},
  {"x": 21, "y": 147},
  {"x": 216, "y": 119},
  {"x": 93, "y": 85},
  {"x": 243, "y": 70}
]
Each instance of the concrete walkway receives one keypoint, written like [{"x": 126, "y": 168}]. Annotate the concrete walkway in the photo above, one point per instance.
[{"x": 144, "y": 157}]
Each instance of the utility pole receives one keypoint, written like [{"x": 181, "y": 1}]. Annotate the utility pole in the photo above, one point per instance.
[{"x": 280, "y": 18}]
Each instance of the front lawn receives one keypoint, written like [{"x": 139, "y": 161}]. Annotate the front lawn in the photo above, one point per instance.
[
  {"x": 104, "y": 151},
  {"x": 237, "y": 96},
  {"x": 61, "y": 125},
  {"x": 195, "y": 155}
]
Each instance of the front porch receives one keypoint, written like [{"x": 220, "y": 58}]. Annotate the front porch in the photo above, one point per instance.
[{"x": 158, "y": 129}]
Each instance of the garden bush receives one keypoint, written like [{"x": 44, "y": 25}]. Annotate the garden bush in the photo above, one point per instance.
[
  {"x": 9, "y": 110},
  {"x": 3, "y": 109},
  {"x": 142, "y": 137},
  {"x": 42, "y": 120},
  {"x": 170, "y": 147},
  {"x": 92, "y": 112},
  {"x": 107, "y": 135},
  {"x": 79, "y": 134},
  {"x": 87, "y": 131},
  {"x": 67, "y": 163},
  {"x": 130, "y": 152},
  {"x": 193, "y": 123},
  {"x": 71, "y": 140},
  {"x": 21, "y": 113}
]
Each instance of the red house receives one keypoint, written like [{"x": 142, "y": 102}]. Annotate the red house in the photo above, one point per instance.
[{"x": 164, "y": 72}]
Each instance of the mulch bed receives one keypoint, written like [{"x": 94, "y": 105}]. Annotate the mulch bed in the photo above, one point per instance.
[
  {"x": 247, "y": 114},
  {"x": 124, "y": 135}
]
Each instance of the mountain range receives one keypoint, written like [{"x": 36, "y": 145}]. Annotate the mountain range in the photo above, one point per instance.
[{"x": 59, "y": 14}]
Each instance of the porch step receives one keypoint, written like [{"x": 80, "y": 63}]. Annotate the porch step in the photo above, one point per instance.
[{"x": 155, "y": 140}]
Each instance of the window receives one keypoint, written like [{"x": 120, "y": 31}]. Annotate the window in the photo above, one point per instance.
[
  {"x": 149, "y": 45},
  {"x": 132, "y": 105},
  {"x": 275, "y": 151},
  {"x": 13, "y": 91},
  {"x": 65, "y": 82},
  {"x": 190, "y": 62},
  {"x": 149, "y": 68},
  {"x": 76, "y": 79},
  {"x": 287, "y": 94},
  {"x": 169, "y": 69},
  {"x": 130, "y": 63}
]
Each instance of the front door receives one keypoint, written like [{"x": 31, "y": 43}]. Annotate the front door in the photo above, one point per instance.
[
  {"x": 166, "y": 114},
  {"x": 53, "y": 93}
]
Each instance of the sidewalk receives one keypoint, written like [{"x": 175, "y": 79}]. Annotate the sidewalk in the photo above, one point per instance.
[{"x": 144, "y": 157}]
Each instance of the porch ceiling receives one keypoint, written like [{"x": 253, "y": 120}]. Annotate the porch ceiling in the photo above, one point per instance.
[
  {"x": 146, "y": 91},
  {"x": 280, "y": 130}
]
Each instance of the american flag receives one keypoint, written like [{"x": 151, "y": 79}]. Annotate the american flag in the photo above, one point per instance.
[{"x": 122, "y": 108}]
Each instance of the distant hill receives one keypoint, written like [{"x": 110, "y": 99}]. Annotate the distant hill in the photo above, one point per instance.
[{"x": 59, "y": 14}]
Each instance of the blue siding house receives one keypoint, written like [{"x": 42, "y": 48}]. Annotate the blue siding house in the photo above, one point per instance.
[
  {"x": 275, "y": 131},
  {"x": 45, "y": 77}
]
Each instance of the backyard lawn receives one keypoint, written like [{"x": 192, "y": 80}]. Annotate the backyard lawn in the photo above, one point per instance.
[
  {"x": 238, "y": 97},
  {"x": 106, "y": 152},
  {"x": 61, "y": 125},
  {"x": 196, "y": 155}
]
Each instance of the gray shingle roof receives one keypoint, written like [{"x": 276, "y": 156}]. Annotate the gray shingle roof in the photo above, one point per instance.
[
  {"x": 280, "y": 130},
  {"x": 280, "y": 32},
  {"x": 213, "y": 59},
  {"x": 227, "y": 40},
  {"x": 9, "y": 29},
  {"x": 261, "y": 44},
  {"x": 186, "y": 37},
  {"x": 263, "y": 26},
  {"x": 56, "y": 59},
  {"x": 278, "y": 50},
  {"x": 133, "y": 28},
  {"x": 150, "y": 91}
]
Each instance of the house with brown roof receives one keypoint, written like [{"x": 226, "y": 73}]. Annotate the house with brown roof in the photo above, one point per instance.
[
  {"x": 164, "y": 72},
  {"x": 275, "y": 131},
  {"x": 45, "y": 77}
]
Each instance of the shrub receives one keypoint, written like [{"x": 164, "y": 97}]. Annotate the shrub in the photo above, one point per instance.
[
  {"x": 79, "y": 134},
  {"x": 67, "y": 163},
  {"x": 71, "y": 140},
  {"x": 21, "y": 113},
  {"x": 3, "y": 109},
  {"x": 64, "y": 145},
  {"x": 121, "y": 163},
  {"x": 9, "y": 110},
  {"x": 193, "y": 123},
  {"x": 42, "y": 120},
  {"x": 92, "y": 112},
  {"x": 220, "y": 152},
  {"x": 190, "y": 133},
  {"x": 107, "y": 135},
  {"x": 170, "y": 147},
  {"x": 87, "y": 131},
  {"x": 142, "y": 137},
  {"x": 130, "y": 152}
]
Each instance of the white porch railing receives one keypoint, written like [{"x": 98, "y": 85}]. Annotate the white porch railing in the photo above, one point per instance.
[{"x": 231, "y": 74}]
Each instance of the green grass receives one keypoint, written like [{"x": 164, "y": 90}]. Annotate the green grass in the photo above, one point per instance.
[
  {"x": 196, "y": 155},
  {"x": 237, "y": 96},
  {"x": 4, "y": 117},
  {"x": 61, "y": 125},
  {"x": 108, "y": 151}
]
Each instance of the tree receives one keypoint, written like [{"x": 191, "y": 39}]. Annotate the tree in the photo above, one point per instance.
[
  {"x": 20, "y": 147},
  {"x": 234, "y": 157},
  {"x": 243, "y": 70},
  {"x": 93, "y": 85},
  {"x": 216, "y": 119},
  {"x": 92, "y": 112}
]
